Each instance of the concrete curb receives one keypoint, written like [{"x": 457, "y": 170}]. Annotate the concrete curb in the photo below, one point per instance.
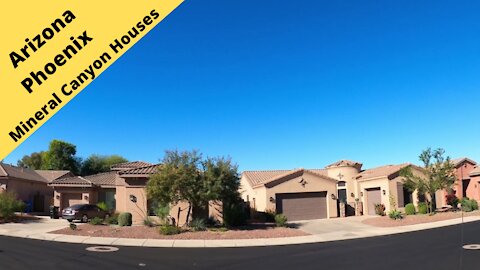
[{"x": 235, "y": 243}]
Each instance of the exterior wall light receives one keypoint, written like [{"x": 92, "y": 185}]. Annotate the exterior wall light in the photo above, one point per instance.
[
  {"x": 384, "y": 192},
  {"x": 352, "y": 195},
  {"x": 57, "y": 197},
  {"x": 361, "y": 194},
  {"x": 85, "y": 197},
  {"x": 272, "y": 200},
  {"x": 333, "y": 197},
  {"x": 133, "y": 198}
]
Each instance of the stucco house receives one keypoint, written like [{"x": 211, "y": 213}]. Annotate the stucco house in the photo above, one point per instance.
[
  {"x": 30, "y": 186},
  {"x": 303, "y": 194},
  {"x": 473, "y": 189}
]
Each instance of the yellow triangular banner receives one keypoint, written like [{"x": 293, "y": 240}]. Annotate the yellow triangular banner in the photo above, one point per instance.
[{"x": 51, "y": 50}]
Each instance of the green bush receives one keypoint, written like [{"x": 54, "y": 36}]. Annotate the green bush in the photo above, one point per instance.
[
  {"x": 112, "y": 220},
  {"x": 422, "y": 208},
  {"x": 162, "y": 211},
  {"x": 270, "y": 215},
  {"x": 9, "y": 205},
  {"x": 395, "y": 214},
  {"x": 410, "y": 209},
  {"x": 380, "y": 209},
  {"x": 73, "y": 226},
  {"x": 96, "y": 221},
  {"x": 281, "y": 220},
  {"x": 103, "y": 206},
  {"x": 469, "y": 205},
  {"x": 234, "y": 214},
  {"x": 197, "y": 225},
  {"x": 125, "y": 219},
  {"x": 169, "y": 230}
]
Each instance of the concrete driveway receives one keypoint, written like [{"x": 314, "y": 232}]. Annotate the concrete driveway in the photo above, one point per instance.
[
  {"x": 344, "y": 227},
  {"x": 32, "y": 227}
]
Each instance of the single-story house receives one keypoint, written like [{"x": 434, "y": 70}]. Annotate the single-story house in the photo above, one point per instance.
[
  {"x": 30, "y": 186},
  {"x": 303, "y": 194}
]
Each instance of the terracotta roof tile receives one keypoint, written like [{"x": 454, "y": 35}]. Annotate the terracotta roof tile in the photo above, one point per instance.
[
  {"x": 457, "y": 161},
  {"x": 76, "y": 181},
  {"x": 102, "y": 179},
  {"x": 475, "y": 171},
  {"x": 20, "y": 173},
  {"x": 139, "y": 172},
  {"x": 129, "y": 165},
  {"x": 51, "y": 175},
  {"x": 258, "y": 178},
  {"x": 383, "y": 171},
  {"x": 344, "y": 162}
]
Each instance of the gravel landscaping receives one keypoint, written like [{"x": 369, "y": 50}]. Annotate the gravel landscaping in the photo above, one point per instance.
[
  {"x": 143, "y": 232},
  {"x": 416, "y": 219}
]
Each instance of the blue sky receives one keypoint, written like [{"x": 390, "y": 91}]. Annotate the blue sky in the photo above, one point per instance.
[{"x": 287, "y": 84}]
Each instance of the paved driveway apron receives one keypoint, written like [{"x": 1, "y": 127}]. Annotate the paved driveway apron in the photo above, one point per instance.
[{"x": 348, "y": 227}]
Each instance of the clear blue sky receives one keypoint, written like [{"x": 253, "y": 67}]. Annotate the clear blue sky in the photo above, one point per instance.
[{"x": 287, "y": 84}]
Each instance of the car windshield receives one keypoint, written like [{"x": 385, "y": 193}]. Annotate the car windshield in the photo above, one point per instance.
[{"x": 77, "y": 206}]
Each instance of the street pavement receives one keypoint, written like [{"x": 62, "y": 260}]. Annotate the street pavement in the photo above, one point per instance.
[{"x": 435, "y": 249}]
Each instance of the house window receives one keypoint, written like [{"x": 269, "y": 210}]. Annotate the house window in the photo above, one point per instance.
[{"x": 341, "y": 184}]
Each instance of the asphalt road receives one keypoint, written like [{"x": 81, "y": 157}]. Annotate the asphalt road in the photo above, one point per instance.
[{"x": 433, "y": 249}]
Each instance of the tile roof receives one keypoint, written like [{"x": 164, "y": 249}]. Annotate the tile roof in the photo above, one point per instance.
[
  {"x": 20, "y": 173},
  {"x": 102, "y": 179},
  {"x": 258, "y": 178},
  {"x": 383, "y": 171},
  {"x": 129, "y": 165},
  {"x": 475, "y": 171},
  {"x": 52, "y": 175},
  {"x": 76, "y": 181},
  {"x": 344, "y": 162},
  {"x": 457, "y": 161},
  {"x": 139, "y": 172}
]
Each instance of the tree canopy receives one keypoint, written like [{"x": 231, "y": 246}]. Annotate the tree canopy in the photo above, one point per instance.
[
  {"x": 97, "y": 164},
  {"x": 186, "y": 176},
  {"x": 33, "y": 161},
  {"x": 439, "y": 173}
]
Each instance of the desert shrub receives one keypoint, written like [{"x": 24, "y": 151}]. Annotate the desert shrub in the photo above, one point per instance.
[
  {"x": 380, "y": 209},
  {"x": 149, "y": 222},
  {"x": 270, "y": 215},
  {"x": 73, "y": 226},
  {"x": 9, "y": 205},
  {"x": 125, "y": 219},
  {"x": 395, "y": 214},
  {"x": 281, "y": 220},
  {"x": 234, "y": 214},
  {"x": 410, "y": 209},
  {"x": 103, "y": 206},
  {"x": 211, "y": 221},
  {"x": 452, "y": 200},
  {"x": 112, "y": 220},
  {"x": 169, "y": 230},
  {"x": 162, "y": 211},
  {"x": 422, "y": 208},
  {"x": 198, "y": 224},
  {"x": 469, "y": 205},
  {"x": 96, "y": 221}
]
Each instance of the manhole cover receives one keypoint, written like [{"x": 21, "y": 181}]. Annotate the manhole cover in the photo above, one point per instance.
[
  {"x": 472, "y": 247},
  {"x": 102, "y": 249}
]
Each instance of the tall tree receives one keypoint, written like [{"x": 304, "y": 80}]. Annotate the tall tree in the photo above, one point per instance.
[
  {"x": 98, "y": 164},
  {"x": 33, "y": 161},
  {"x": 61, "y": 156},
  {"x": 439, "y": 173},
  {"x": 185, "y": 176}
]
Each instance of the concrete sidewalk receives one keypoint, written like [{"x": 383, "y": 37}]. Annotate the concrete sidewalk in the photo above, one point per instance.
[{"x": 322, "y": 231}]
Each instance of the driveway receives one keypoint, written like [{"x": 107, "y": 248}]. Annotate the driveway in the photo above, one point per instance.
[
  {"x": 33, "y": 227},
  {"x": 349, "y": 225}
]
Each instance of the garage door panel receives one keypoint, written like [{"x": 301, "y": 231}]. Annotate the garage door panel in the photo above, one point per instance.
[
  {"x": 374, "y": 196},
  {"x": 69, "y": 199},
  {"x": 302, "y": 206}
]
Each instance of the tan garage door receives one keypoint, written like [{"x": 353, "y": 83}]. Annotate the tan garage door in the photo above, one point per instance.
[
  {"x": 374, "y": 196},
  {"x": 69, "y": 199},
  {"x": 302, "y": 206}
]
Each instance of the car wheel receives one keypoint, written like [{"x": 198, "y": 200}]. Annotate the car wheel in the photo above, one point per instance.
[{"x": 84, "y": 219}]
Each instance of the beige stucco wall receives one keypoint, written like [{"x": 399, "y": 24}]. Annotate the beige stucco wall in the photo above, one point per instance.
[
  {"x": 348, "y": 175},
  {"x": 314, "y": 184},
  {"x": 255, "y": 196}
]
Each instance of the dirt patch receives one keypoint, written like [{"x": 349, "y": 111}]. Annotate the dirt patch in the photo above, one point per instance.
[
  {"x": 416, "y": 219},
  {"x": 143, "y": 232}
]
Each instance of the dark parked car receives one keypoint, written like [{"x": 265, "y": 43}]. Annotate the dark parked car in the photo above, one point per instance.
[{"x": 83, "y": 212}]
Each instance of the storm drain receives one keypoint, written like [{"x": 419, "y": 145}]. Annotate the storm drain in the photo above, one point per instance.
[
  {"x": 472, "y": 247},
  {"x": 102, "y": 249}
]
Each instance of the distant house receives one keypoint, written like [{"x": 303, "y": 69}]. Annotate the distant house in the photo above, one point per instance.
[
  {"x": 303, "y": 194},
  {"x": 29, "y": 185}
]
